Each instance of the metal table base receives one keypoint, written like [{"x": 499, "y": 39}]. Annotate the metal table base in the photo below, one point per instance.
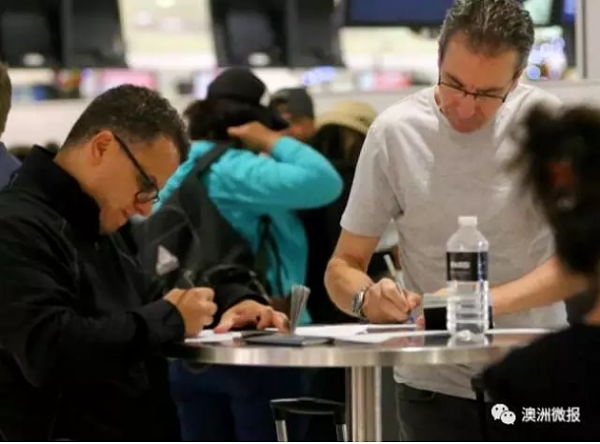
[{"x": 365, "y": 403}]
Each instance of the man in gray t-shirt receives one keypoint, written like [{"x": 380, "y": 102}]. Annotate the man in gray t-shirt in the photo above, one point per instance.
[{"x": 438, "y": 154}]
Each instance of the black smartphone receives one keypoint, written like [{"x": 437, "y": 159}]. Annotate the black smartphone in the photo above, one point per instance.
[
  {"x": 282, "y": 340},
  {"x": 252, "y": 333}
]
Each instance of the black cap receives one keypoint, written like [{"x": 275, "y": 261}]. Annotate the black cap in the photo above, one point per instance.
[
  {"x": 298, "y": 102},
  {"x": 242, "y": 85}
]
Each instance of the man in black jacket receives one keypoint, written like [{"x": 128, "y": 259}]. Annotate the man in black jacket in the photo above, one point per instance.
[{"x": 80, "y": 328}]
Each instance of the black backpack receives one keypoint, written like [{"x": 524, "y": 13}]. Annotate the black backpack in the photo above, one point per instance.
[{"x": 187, "y": 242}]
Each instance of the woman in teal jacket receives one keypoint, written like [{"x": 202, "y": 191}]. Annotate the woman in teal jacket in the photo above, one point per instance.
[
  {"x": 265, "y": 173},
  {"x": 283, "y": 175}
]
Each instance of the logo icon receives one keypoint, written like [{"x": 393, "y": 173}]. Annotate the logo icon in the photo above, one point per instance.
[
  {"x": 166, "y": 262},
  {"x": 501, "y": 412}
]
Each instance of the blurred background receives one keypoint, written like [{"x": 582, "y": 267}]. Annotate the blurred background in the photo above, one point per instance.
[{"x": 64, "y": 52}]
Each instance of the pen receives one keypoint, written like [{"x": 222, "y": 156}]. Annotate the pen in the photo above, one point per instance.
[
  {"x": 188, "y": 279},
  {"x": 398, "y": 278}
]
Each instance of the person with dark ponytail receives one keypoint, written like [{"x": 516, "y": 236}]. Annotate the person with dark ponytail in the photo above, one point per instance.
[{"x": 558, "y": 374}]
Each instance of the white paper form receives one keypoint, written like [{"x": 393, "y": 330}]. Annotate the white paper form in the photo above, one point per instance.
[
  {"x": 345, "y": 330},
  {"x": 209, "y": 336},
  {"x": 377, "y": 338}
]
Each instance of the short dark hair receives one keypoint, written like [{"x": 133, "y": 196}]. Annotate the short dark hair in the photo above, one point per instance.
[
  {"x": 209, "y": 119},
  {"x": 134, "y": 113},
  {"x": 5, "y": 96},
  {"x": 490, "y": 26}
]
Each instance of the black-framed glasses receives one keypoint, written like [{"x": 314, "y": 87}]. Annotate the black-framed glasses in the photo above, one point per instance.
[
  {"x": 478, "y": 96},
  {"x": 148, "y": 191}
]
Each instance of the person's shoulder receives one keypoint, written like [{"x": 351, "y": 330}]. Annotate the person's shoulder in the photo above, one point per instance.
[
  {"x": 412, "y": 110},
  {"x": 526, "y": 95},
  {"x": 22, "y": 212},
  {"x": 415, "y": 103}
]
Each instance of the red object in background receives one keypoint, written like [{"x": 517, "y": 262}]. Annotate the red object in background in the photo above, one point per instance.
[
  {"x": 109, "y": 78},
  {"x": 390, "y": 80}
]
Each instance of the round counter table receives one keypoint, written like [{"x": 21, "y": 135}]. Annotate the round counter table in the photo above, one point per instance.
[{"x": 364, "y": 361}]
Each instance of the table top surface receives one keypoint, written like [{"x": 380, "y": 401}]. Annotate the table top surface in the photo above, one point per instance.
[{"x": 418, "y": 348}]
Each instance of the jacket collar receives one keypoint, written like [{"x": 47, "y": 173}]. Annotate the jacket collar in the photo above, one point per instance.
[{"x": 61, "y": 191}]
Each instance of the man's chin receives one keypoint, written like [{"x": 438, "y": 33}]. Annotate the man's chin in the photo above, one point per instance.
[
  {"x": 111, "y": 227},
  {"x": 465, "y": 128}
]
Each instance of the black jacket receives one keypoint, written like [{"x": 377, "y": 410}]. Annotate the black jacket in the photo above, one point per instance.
[
  {"x": 557, "y": 375},
  {"x": 80, "y": 328}
]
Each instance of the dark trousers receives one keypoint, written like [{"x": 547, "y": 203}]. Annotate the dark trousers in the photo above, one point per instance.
[
  {"x": 431, "y": 416},
  {"x": 231, "y": 403}
]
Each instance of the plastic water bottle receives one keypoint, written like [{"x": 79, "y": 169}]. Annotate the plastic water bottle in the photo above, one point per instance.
[{"x": 467, "y": 280}]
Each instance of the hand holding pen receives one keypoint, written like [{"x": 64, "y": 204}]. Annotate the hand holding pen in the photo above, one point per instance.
[
  {"x": 388, "y": 302},
  {"x": 195, "y": 305},
  {"x": 399, "y": 278}
]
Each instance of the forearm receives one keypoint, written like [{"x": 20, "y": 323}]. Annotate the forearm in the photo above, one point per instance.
[
  {"x": 343, "y": 280},
  {"x": 547, "y": 284},
  {"x": 68, "y": 347}
]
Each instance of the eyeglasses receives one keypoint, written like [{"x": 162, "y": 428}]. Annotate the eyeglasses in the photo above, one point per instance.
[
  {"x": 484, "y": 98},
  {"x": 148, "y": 188}
]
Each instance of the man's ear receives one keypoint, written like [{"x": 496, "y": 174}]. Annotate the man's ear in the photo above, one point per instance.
[
  {"x": 99, "y": 145},
  {"x": 515, "y": 82}
]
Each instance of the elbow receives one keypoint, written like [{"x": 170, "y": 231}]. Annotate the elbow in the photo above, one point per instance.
[
  {"x": 325, "y": 189},
  {"x": 335, "y": 186}
]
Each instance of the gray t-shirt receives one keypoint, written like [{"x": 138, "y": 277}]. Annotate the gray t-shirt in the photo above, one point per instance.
[{"x": 416, "y": 169}]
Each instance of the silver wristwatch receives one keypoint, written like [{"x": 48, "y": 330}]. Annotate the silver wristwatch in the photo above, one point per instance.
[{"x": 358, "y": 302}]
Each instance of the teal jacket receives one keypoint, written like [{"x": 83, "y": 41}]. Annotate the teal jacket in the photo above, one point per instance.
[{"x": 245, "y": 186}]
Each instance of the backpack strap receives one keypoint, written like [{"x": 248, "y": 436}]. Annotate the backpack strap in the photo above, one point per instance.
[
  {"x": 189, "y": 187},
  {"x": 261, "y": 264},
  {"x": 207, "y": 160}
]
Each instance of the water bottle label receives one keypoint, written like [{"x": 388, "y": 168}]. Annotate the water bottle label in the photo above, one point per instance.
[{"x": 470, "y": 267}]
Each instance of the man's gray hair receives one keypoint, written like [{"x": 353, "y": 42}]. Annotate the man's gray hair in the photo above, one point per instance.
[{"x": 490, "y": 27}]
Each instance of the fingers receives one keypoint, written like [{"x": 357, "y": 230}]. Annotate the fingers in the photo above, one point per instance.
[
  {"x": 207, "y": 310},
  {"x": 391, "y": 313},
  {"x": 265, "y": 318},
  {"x": 281, "y": 322},
  {"x": 236, "y": 131},
  {"x": 385, "y": 302},
  {"x": 198, "y": 294},
  {"x": 175, "y": 295},
  {"x": 391, "y": 292},
  {"x": 242, "y": 130},
  {"x": 207, "y": 294},
  {"x": 228, "y": 321},
  {"x": 252, "y": 313},
  {"x": 414, "y": 300},
  {"x": 271, "y": 318}
]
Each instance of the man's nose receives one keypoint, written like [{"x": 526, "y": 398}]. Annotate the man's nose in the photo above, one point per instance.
[
  {"x": 144, "y": 209},
  {"x": 467, "y": 106}
]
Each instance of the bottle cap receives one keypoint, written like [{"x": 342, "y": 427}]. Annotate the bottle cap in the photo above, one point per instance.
[{"x": 469, "y": 221}]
